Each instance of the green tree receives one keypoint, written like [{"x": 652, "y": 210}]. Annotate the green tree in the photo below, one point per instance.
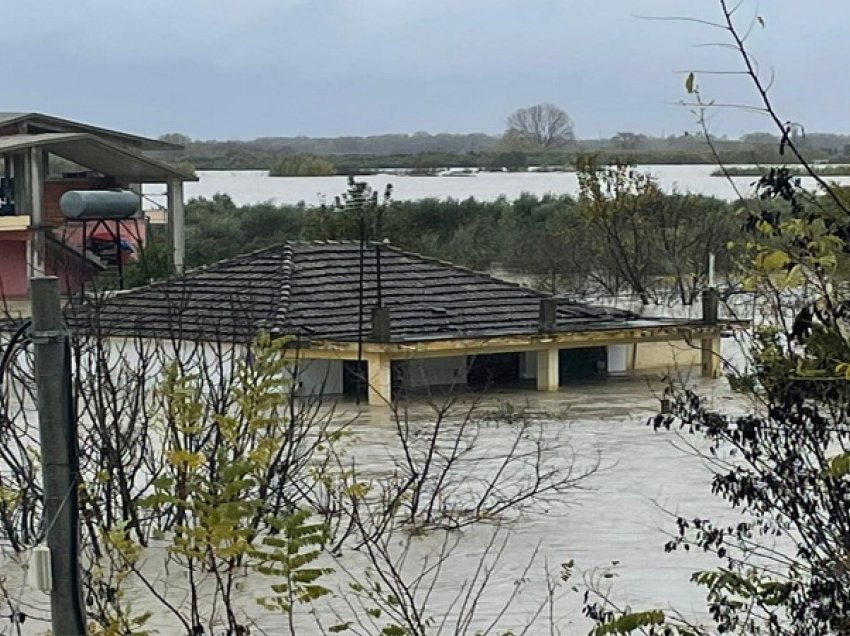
[
  {"x": 783, "y": 462},
  {"x": 543, "y": 126}
]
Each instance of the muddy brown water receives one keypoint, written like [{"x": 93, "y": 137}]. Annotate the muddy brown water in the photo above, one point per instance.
[{"x": 623, "y": 514}]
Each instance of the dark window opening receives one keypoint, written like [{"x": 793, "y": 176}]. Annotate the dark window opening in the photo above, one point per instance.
[
  {"x": 355, "y": 379},
  {"x": 588, "y": 363},
  {"x": 493, "y": 369}
]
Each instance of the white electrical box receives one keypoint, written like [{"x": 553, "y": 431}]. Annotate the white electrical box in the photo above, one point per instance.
[{"x": 40, "y": 572}]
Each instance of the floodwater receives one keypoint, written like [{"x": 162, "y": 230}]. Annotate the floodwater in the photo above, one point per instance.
[
  {"x": 623, "y": 513},
  {"x": 248, "y": 187}
]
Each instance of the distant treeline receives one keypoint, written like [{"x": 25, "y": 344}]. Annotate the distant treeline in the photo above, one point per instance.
[
  {"x": 798, "y": 171},
  {"x": 650, "y": 245},
  {"x": 423, "y": 151}
]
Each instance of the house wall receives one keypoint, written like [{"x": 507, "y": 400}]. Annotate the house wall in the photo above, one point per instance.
[
  {"x": 652, "y": 356},
  {"x": 618, "y": 358},
  {"x": 13, "y": 265},
  {"x": 314, "y": 376}
]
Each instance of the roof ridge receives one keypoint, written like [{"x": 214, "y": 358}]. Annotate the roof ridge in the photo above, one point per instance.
[{"x": 285, "y": 286}]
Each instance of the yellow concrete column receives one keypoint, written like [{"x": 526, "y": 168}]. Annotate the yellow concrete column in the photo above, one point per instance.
[
  {"x": 710, "y": 357},
  {"x": 631, "y": 356},
  {"x": 548, "y": 370},
  {"x": 380, "y": 379}
]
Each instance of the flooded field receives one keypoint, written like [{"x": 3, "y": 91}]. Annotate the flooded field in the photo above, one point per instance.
[
  {"x": 256, "y": 186},
  {"x": 623, "y": 513}
]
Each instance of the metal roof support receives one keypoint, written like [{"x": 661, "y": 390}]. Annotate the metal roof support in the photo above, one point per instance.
[{"x": 176, "y": 226}]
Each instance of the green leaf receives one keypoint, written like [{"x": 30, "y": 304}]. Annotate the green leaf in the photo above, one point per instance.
[
  {"x": 839, "y": 466},
  {"x": 629, "y": 623}
]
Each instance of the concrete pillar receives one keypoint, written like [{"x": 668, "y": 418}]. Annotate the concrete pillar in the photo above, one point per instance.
[
  {"x": 631, "y": 356},
  {"x": 710, "y": 357},
  {"x": 176, "y": 225},
  {"x": 34, "y": 170},
  {"x": 548, "y": 370},
  {"x": 380, "y": 379}
]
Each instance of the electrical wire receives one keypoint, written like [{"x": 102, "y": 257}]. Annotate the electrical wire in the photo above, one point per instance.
[
  {"x": 6, "y": 358},
  {"x": 68, "y": 500}
]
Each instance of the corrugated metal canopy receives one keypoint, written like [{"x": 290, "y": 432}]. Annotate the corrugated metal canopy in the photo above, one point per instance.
[
  {"x": 39, "y": 123},
  {"x": 94, "y": 153}
]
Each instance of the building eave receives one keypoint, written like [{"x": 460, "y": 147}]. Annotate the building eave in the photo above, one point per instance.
[{"x": 518, "y": 342}]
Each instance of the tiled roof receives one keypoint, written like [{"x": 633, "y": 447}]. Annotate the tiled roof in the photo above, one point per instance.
[{"x": 311, "y": 289}]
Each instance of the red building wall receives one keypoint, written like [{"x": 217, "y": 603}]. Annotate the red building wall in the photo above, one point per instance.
[{"x": 13, "y": 265}]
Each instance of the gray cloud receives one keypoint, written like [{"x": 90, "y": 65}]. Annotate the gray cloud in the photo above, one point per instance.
[{"x": 216, "y": 68}]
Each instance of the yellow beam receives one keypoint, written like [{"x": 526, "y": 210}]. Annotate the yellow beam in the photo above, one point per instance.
[
  {"x": 14, "y": 223},
  {"x": 330, "y": 350}
]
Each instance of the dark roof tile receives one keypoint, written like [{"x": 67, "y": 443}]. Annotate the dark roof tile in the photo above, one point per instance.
[{"x": 312, "y": 289}]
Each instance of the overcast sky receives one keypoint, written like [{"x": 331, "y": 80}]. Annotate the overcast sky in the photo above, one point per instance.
[{"x": 225, "y": 69}]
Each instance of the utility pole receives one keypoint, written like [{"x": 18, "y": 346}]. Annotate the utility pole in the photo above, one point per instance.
[{"x": 59, "y": 460}]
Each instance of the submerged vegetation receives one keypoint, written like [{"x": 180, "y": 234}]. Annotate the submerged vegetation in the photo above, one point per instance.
[
  {"x": 797, "y": 171},
  {"x": 303, "y": 166}
]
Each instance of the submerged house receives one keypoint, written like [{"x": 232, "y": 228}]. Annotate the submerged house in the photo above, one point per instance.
[
  {"x": 382, "y": 321},
  {"x": 44, "y": 157}
]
